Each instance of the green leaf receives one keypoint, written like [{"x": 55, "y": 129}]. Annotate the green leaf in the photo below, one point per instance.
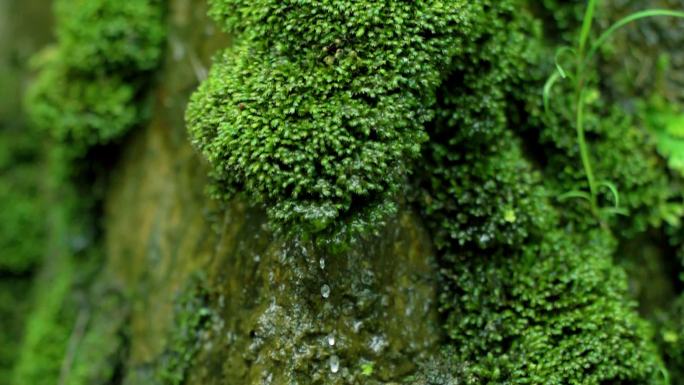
[
  {"x": 548, "y": 86},
  {"x": 666, "y": 122},
  {"x": 574, "y": 194},
  {"x": 614, "y": 190}
]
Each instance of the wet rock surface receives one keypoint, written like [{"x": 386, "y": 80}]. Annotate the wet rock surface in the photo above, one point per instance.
[{"x": 261, "y": 310}]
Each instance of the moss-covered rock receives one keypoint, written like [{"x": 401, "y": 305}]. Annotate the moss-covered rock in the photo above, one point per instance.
[
  {"x": 328, "y": 114},
  {"x": 529, "y": 295},
  {"x": 319, "y": 105}
]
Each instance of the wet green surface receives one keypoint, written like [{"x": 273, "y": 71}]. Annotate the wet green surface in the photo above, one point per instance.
[{"x": 267, "y": 318}]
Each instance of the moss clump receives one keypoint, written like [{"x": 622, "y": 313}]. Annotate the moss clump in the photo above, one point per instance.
[
  {"x": 319, "y": 106},
  {"x": 552, "y": 312},
  {"x": 475, "y": 187},
  {"x": 89, "y": 89},
  {"x": 540, "y": 304},
  {"x": 82, "y": 113},
  {"x": 110, "y": 36}
]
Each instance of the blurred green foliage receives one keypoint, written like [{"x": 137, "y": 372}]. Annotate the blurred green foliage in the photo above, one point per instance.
[
  {"x": 22, "y": 203},
  {"x": 90, "y": 85},
  {"x": 14, "y": 304},
  {"x": 48, "y": 328},
  {"x": 666, "y": 121},
  {"x": 90, "y": 90}
]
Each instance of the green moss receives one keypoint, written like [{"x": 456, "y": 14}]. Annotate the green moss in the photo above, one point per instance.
[
  {"x": 82, "y": 113},
  {"x": 110, "y": 36},
  {"x": 475, "y": 187},
  {"x": 191, "y": 317},
  {"x": 48, "y": 329},
  {"x": 534, "y": 304},
  {"x": 555, "y": 312},
  {"x": 622, "y": 153},
  {"x": 537, "y": 304},
  {"x": 528, "y": 296},
  {"x": 90, "y": 85},
  {"x": 317, "y": 109}
]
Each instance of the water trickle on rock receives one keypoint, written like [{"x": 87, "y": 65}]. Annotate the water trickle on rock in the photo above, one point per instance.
[
  {"x": 322, "y": 263},
  {"x": 331, "y": 340},
  {"x": 334, "y": 364},
  {"x": 325, "y": 291}
]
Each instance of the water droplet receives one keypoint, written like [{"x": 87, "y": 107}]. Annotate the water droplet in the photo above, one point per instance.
[
  {"x": 334, "y": 364},
  {"x": 367, "y": 277},
  {"x": 378, "y": 343},
  {"x": 325, "y": 291},
  {"x": 357, "y": 326},
  {"x": 322, "y": 263},
  {"x": 331, "y": 340}
]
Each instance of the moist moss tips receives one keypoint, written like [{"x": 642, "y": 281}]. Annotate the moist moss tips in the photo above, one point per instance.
[{"x": 319, "y": 107}]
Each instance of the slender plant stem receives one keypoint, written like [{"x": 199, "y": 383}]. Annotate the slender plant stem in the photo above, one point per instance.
[
  {"x": 586, "y": 26},
  {"x": 579, "y": 106},
  {"x": 584, "y": 153}
]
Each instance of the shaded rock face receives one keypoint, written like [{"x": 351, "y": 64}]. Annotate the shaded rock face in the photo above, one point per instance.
[
  {"x": 28, "y": 24},
  {"x": 215, "y": 299}
]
